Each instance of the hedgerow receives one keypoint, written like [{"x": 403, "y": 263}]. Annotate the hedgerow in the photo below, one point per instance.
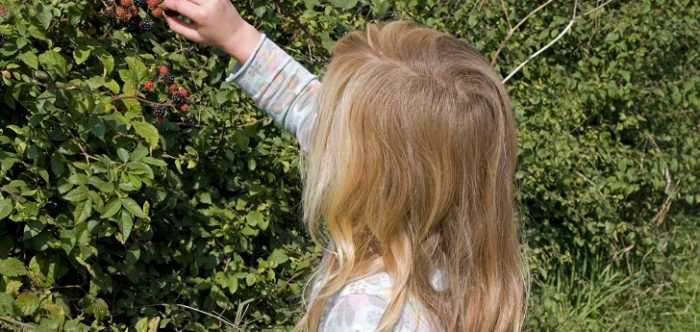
[{"x": 115, "y": 217}]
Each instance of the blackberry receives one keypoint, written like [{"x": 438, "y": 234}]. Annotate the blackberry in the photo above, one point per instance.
[
  {"x": 146, "y": 24},
  {"x": 118, "y": 23},
  {"x": 168, "y": 78},
  {"x": 178, "y": 99},
  {"x": 141, "y": 3},
  {"x": 160, "y": 111},
  {"x": 134, "y": 22}
]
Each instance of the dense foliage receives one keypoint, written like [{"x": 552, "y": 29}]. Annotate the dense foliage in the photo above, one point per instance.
[{"x": 114, "y": 217}]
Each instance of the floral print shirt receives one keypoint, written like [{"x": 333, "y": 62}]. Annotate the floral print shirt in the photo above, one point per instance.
[{"x": 287, "y": 91}]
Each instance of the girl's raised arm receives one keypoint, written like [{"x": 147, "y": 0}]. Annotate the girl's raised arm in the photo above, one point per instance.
[{"x": 277, "y": 83}]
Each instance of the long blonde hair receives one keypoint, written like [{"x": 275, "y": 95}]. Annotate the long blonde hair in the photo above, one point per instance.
[{"x": 411, "y": 172}]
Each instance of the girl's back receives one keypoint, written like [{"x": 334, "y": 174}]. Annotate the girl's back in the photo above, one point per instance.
[{"x": 410, "y": 154}]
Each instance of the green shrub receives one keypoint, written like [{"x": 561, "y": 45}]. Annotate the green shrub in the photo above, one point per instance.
[{"x": 113, "y": 219}]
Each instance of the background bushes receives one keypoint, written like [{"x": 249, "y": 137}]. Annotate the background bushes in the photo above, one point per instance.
[{"x": 110, "y": 219}]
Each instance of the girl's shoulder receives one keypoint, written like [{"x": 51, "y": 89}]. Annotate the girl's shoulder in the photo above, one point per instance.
[{"x": 361, "y": 303}]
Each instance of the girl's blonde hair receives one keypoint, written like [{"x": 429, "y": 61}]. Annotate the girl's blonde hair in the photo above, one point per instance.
[{"x": 411, "y": 172}]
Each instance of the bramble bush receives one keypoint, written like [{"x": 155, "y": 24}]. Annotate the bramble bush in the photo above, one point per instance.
[{"x": 115, "y": 217}]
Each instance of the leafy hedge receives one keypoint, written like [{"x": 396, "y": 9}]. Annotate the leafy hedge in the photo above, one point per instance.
[{"x": 113, "y": 218}]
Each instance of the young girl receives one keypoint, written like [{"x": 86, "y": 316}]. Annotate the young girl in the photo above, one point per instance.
[{"x": 410, "y": 153}]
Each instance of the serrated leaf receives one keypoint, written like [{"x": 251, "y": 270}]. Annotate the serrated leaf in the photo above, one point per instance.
[
  {"x": 133, "y": 207},
  {"x": 78, "y": 194},
  {"x": 54, "y": 63},
  {"x": 6, "y": 208},
  {"x": 126, "y": 224},
  {"x": 12, "y": 267},
  {"x": 112, "y": 208},
  {"x": 123, "y": 154},
  {"x": 83, "y": 211},
  {"x": 44, "y": 15},
  {"x": 82, "y": 53},
  {"x": 27, "y": 303},
  {"x": 30, "y": 59},
  {"x": 148, "y": 132}
]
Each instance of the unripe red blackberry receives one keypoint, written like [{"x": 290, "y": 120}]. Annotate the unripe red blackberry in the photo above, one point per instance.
[
  {"x": 152, "y": 3},
  {"x": 168, "y": 78},
  {"x": 149, "y": 85},
  {"x": 163, "y": 70},
  {"x": 185, "y": 107},
  {"x": 161, "y": 110},
  {"x": 178, "y": 99},
  {"x": 126, "y": 3},
  {"x": 157, "y": 12},
  {"x": 172, "y": 87},
  {"x": 120, "y": 12},
  {"x": 183, "y": 92},
  {"x": 146, "y": 24},
  {"x": 133, "y": 10}
]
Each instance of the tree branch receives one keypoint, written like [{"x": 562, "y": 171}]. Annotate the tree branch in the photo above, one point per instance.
[
  {"x": 24, "y": 326},
  {"x": 512, "y": 30},
  {"x": 534, "y": 55}
]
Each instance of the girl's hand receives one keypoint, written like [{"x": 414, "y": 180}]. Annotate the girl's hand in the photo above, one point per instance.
[{"x": 215, "y": 23}]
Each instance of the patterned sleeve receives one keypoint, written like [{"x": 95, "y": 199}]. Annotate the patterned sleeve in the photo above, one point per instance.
[
  {"x": 354, "y": 313},
  {"x": 281, "y": 87}
]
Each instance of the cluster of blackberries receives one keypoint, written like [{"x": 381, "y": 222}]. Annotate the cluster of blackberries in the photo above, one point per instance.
[
  {"x": 179, "y": 102},
  {"x": 126, "y": 14}
]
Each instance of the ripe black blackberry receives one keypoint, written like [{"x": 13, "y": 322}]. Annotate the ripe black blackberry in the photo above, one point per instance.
[
  {"x": 160, "y": 111},
  {"x": 146, "y": 24},
  {"x": 178, "y": 99},
  {"x": 135, "y": 22},
  {"x": 143, "y": 4},
  {"x": 168, "y": 78},
  {"x": 118, "y": 23}
]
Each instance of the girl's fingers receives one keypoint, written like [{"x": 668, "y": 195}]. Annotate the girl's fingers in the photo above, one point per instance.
[
  {"x": 187, "y": 30},
  {"x": 183, "y": 7}
]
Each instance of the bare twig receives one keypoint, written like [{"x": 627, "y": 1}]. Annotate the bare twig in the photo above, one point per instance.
[
  {"x": 534, "y": 55},
  {"x": 24, "y": 326},
  {"x": 597, "y": 8},
  {"x": 505, "y": 12},
  {"x": 512, "y": 30}
]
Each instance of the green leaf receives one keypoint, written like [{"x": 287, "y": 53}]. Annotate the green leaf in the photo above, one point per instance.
[
  {"x": 133, "y": 207},
  {"x": 27, "y": 303},
  {"x": 278, "y": 256},
  {"x": 6, "y": 208},
  {"x": 112, "y": 208},
  {"x": 54, "y": 63},
  {"x": 148, "y": 132},
  {"x": 254, "y": 218},
  {"x": 12, "y": 267},
  {"x": 82, "y": 53},
  {"x": 344, "y": 4},
  {"x": 30, "y": 59},
  {"x": 83, "y": 211},
  {"x": 44, "y": 15},
  {"x": 123, "y": 154},
  {"x": 126, "y": 224},
  {"x": 78, "y": 194}
]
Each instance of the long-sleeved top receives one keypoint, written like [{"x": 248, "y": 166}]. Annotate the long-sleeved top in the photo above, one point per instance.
[{"x": 283, "y": 88}]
